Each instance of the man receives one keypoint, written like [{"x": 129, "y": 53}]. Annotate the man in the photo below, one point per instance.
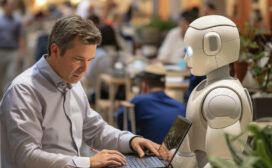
[
  {"x": 11, "y": 43},
  {"x": 154, "y": 110},
  {"x": 210, "y": 9},
  {"x": 45, "y": 114},
  {"x": 172, "y": 47}
]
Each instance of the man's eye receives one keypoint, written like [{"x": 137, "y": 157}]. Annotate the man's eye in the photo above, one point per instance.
[{"x": 77, "y": 59}]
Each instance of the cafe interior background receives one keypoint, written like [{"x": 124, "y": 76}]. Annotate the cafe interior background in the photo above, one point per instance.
[{"x": 140, "y": 27}]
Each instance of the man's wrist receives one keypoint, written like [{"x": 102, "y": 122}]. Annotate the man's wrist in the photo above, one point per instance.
[{"x": 130, "y": 142}]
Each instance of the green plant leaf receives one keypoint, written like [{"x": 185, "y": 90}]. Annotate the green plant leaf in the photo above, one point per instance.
[
  {"x": 235, "y": 155},
  {"x": 249, "y": 162},
  {"x": 261, "y": 151},
  {"x": 257, "y": 154},
  {"x": 222, "y": 163}
]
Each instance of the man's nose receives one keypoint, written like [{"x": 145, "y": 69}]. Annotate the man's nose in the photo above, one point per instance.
[{"x": 84, "y": 66}]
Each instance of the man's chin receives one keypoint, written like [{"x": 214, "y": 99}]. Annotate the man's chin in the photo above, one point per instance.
[{"x": 73, "y": 80}]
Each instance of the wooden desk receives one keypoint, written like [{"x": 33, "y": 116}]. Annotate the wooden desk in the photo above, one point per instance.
[
  {"x": 110, "y": 105},
  {"x": 129, "y": 115},
  {"x": 176, "y": 85},
  {"x": 183, "y": 73}
]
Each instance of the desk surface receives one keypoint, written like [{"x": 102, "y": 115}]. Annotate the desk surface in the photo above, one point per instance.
[
  {"x": 179, "y": 86},
  {"x": 182, "y": 73},
  {"x": 112, "y": 80}
]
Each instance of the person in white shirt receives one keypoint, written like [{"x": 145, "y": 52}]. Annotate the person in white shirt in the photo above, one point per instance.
[{"x": 171, "y": 50}]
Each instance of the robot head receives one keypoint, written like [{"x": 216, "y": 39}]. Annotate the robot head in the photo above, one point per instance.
[{"x": 212, "y": 42}]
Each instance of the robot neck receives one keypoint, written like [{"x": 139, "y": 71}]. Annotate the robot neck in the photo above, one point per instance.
[{"x": 218, "y": 74}]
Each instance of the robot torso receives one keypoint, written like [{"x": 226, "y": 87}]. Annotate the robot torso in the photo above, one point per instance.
[{"x": 194, "y": 111}]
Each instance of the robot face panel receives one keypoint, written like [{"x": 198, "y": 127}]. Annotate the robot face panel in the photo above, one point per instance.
[
  {"x": 198, "y": 61},
  {"x": 213, "y": 45}
]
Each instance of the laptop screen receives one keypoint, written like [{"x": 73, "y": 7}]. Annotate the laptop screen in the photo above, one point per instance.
[{"x": 174, "y": 138}]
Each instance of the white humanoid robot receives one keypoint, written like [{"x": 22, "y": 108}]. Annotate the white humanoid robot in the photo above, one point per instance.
[{"x": 218, "y": 104}]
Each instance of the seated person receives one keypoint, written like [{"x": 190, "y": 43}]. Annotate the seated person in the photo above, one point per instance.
[
  {"x": 154, "y": 110},
  {"x": 171, "y": 49}
]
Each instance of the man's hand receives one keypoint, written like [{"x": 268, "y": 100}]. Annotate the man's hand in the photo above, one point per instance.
[
  {"x": 165, "y": 154},
  {"x": 140, "y": 144},
  {"x": 107, "y": 158}
]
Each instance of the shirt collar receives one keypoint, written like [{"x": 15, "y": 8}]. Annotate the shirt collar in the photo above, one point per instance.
[{"x": 47, "y": 71}]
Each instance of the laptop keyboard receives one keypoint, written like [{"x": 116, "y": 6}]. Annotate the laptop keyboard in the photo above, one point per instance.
[{"x": 146, "y": 162}]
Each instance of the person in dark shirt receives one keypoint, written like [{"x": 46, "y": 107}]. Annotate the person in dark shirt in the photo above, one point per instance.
[
  {"x": 193, "y": 82},
  {"x": 154, "y": 110}
]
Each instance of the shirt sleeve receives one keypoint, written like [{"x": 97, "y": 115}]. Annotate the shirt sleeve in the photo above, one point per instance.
[
  {"x": 99, "y": 134},
  {"x": 21, "y": 117},
  {"x": 165, "y": 49}
]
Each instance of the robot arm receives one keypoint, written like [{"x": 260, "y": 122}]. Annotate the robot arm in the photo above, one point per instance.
[{"x": 222, "y": 110}]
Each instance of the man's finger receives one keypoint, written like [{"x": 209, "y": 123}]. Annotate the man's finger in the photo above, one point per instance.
[
  {"x": 139, "y": 150},
  {"x": 153, "y": 149},
  {"x": 118, "y": 158},
  {"x": 116, "y": 152},
  {"x": 156, "y": 146},
  {"x": 113, "y": 163}
]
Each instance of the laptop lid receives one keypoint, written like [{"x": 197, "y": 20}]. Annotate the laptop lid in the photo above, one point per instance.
[
  {"x": 175, "y": 137},
  {"x": 172, "y": 143}
]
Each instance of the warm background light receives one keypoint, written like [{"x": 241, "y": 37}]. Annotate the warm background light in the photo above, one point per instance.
[{"x": 40, "y": 3}]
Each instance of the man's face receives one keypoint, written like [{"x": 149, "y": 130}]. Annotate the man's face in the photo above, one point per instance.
[
  {"x": 10, "y": 6},
  {"x": 183, "y": 24},
  {"x": 72, "y": 65}
]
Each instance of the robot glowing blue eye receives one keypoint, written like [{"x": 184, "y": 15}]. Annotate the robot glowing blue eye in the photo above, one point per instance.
[{"x": 188, "y": 51}]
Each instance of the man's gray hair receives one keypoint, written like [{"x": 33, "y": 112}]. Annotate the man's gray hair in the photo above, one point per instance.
[{"x": 67, "y": 29}]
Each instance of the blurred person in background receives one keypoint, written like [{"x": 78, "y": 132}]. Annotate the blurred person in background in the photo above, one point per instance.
[
  {"x": 210, "y": 9},
  {"x": 66, "y": 8},
  {"x": 83, "y": 8},
  {"x": 155, "y": 112},
  {"x": 12, "y": 44},
  {"x": 171, "y": 50},
  {"x": 107, "y": 54}
]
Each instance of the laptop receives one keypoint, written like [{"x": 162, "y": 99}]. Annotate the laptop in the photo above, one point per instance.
[{"x": 172, "y": 142}]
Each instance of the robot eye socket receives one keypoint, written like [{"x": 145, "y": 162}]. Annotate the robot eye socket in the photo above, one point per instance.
[{"x": 188, "y": 51}]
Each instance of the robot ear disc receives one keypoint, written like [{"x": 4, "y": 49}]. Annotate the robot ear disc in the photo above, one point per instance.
[{"x": 212, "y": 43}]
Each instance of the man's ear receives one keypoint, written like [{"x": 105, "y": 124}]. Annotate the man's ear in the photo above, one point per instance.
[{"x": 55, "y": 50}]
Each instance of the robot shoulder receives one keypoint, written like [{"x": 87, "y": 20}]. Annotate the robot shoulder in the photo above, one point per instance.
[{"x": 221, "y": 107}]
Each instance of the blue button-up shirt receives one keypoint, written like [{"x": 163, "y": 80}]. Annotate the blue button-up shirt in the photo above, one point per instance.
[
  {"x": 155, "y": 112},
  {"x": 44, "y": 121}
]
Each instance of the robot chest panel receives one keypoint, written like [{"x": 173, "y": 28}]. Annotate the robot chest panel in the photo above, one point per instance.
[
  {"x": 197, "y": 132},
  {"x": 194, "y": 106}
]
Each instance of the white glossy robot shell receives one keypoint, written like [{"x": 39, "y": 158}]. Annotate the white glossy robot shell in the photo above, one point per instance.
[{"x": 214, "y": 41}]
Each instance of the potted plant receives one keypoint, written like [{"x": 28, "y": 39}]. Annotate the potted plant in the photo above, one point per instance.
[
  {"x": 155, "y": 30},
  {"x": 257, "y": 153},
  {"x": 260, "y": 67},
  {"x": 256, "y": 53},
  {"x": 261, "y": 62},
  {"x": 247, "y": 44}
]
